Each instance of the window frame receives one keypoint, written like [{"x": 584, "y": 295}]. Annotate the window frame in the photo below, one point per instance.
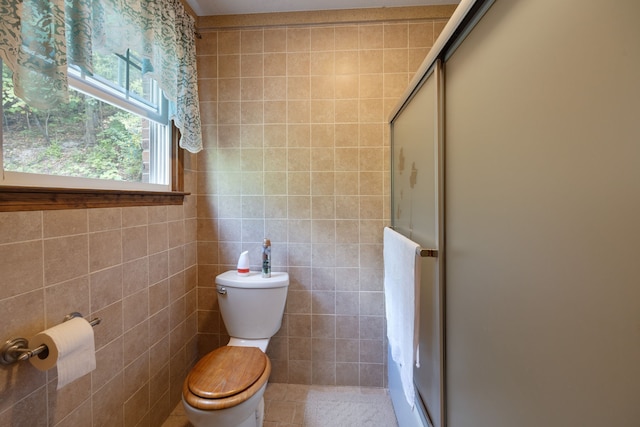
[{"x": 20, "y": 198}]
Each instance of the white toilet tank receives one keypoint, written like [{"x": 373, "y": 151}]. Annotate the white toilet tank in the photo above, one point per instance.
[{"x": 252, "y": 306}]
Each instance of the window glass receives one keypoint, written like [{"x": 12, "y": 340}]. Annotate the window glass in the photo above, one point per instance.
[
  {"x": 124, "y": 73},
  {"x": 114, "y": 128}
]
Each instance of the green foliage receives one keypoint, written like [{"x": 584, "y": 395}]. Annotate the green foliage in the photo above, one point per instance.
[
  {"x": 118, "y": 153},
  {"x": 84, "y": 138},
  {"x": 54, "y": 150}
]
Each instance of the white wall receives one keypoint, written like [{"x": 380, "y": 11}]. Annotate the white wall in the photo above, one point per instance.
[{"x": 542, "y": 217}]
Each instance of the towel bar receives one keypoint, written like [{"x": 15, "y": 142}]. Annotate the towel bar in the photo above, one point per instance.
[{"x": 432, "y": 253}]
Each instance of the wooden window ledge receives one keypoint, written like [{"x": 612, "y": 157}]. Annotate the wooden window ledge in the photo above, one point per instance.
[{"x": 40, "y": 198}]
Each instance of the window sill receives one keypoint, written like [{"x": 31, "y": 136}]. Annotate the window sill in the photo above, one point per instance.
[{"x": 39, "y": 198}]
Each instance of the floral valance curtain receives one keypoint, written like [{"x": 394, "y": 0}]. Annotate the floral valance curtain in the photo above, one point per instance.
[{"x": 38, "y": 38}]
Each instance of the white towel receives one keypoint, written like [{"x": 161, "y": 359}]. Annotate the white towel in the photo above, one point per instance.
[{"x": 402, "y": 299}]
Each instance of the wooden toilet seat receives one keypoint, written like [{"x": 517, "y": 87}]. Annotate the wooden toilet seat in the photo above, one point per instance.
[{"x": 226, "y": 377}]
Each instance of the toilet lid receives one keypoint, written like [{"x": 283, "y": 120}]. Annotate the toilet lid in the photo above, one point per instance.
[{"x": 226, "y": 371}]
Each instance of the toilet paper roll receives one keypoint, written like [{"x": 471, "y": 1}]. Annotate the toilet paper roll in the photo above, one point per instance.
[{"x": 71, "y": 347}]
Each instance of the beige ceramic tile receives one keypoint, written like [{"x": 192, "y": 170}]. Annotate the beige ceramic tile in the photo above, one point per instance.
[
  {"x": 136, "y": 310},
  {"x": 207, "y": 44},
  {"x": 322, "y": 87},
  {"x": 298, "y": 111},
  {"x": 322, "y": 38},
  {"x": 207, "y": 67},
  {"x": 229, "y": 66},
  {"x": 136, "y": 407},
  {"x": 106, "y": 287},
  {"x": 65, "y": 298},
  {"x": 371, "y": 134},
  {"x": 251, "y": 65},
  {"x": 371, "y": 86},
  {"x": 132, "y": 217},
  {"x": 104, "y": 219},
  {"x": 158, "y": 267},
  {"x": 136, "y": 374},
  {"x": 347, "y": 86},
  {"x": 208, "y": 90},
  {"x": 347, "y": 205},
  {"x": 228, "y": 90},
  {"x": 157, "y": 214},
  {"x": 416, "y": 58},
  {"x": 64, "y": 222},
  {"x": 322, "y": 111},
  {"x": 396, "y": 61},
  {"x": 134, "y": 243},
  {"x": 252, "y": 41},
  {"x": 275, "y": 88},
  {"x": 105, "y": 249},
  {"x": 298, "y": 63},
  {"x": 346, "y": 183},
  {"x": 65, "y": 258},
  {"x": 22, "y": 268},
  {"x": 346, "y": 111},
  {"x": 135, "y": 276},
  {"x": 322, "y": 63},
  {"x": 298, "y": 87},
  {"x": 347, "y": 37},
  {"x": 228, "y": 42},
  {"x": 20, "y": 226},
  {"x": 347, "y": 62},
  {"x": 371, "y": 36},
  {"x": 252, "y": 88},
  {"x": 275, "y": 64},
  {"x": 323, "y": 135},
  {"x": 371, "y": 61},
  {"x": 347, "y": 327},
  {"x": 396, "y": 35},
  {"x": 421, "y": 34},
  {"x": 275, "y": 40},
  {"x": 371, "y": 111},
  {"x": 298, "y": 39},
  {"x": 298, "y": 135}
]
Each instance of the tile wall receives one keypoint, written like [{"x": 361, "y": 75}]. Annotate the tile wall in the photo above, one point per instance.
[
  {"x": 297, "y": 150},
  {"x": 133, "y": 267}
]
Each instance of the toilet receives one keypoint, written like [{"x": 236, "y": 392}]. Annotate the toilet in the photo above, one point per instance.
[{"x": 225, "y": 388}]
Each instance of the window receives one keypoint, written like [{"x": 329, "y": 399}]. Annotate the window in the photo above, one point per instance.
[
  {"x": 114, "y": 133},
  {"x": 115, "y": 143}
]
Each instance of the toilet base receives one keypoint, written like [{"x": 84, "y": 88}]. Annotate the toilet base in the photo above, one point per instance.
[{"x": 229, "y": 417}]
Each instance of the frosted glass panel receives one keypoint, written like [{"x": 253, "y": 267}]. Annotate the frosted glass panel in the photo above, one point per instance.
[
  {"x": 414, "y": 155},
  {"x": 415, "y": 212}
]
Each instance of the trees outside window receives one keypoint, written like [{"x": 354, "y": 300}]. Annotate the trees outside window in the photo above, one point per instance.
[{"x": 115, "y": 127}]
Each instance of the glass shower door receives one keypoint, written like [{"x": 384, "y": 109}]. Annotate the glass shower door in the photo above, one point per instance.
[{"x": 416, "y": 207}]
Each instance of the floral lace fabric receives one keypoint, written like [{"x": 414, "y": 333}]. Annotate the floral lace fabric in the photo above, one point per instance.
[{"x": 39, "y": 38}]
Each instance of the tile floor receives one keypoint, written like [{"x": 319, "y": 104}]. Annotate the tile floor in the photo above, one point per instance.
[{"x": 293, "y": 405}]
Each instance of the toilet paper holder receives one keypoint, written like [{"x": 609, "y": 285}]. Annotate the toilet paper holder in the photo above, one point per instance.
[{"x": 17, "y": 349}]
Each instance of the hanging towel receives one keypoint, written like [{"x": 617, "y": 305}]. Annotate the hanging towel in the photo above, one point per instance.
[{"x": 402, "y": 297}]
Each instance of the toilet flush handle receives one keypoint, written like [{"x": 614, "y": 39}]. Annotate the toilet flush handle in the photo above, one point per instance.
[{"x": 221, "y": 290}]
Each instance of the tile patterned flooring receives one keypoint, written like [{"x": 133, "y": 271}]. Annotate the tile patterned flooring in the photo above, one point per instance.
[{"x": 293, "y": 405}]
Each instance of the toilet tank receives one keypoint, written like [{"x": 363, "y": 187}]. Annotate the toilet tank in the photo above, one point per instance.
[{"x": 252, "y": 306}]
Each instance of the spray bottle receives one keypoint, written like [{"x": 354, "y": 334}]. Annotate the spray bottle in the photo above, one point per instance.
[{"x": 266, "y": 258}]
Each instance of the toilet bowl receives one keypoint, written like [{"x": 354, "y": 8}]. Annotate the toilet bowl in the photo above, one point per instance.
[{"x": 225, "y": 388}]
